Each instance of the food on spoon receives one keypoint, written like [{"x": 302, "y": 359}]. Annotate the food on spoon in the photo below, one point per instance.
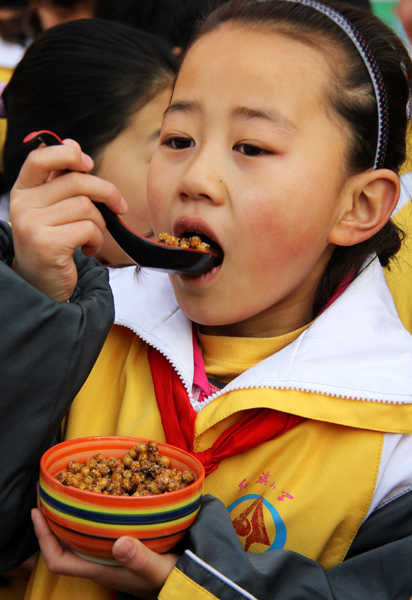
[
  {"x": 169, "y": 240},
  {"x": 143, "y": 471},
  {"x": 193, "y": 242}
]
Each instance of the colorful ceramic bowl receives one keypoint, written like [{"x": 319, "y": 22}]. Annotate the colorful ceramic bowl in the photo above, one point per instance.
[{"x": 90, "y": 523}]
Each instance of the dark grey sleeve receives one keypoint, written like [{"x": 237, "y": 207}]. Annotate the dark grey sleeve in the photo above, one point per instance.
[
  {"x": 378, "y": 565},
  {"x": 47, "y": 350}
]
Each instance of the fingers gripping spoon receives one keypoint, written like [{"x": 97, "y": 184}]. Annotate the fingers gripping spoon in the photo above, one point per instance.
[{"x": 144, "y": 252}]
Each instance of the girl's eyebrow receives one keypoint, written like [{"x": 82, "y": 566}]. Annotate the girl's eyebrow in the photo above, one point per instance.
[
  {"x": 274, "y": 116},
  {"x": 183, "y": 106}
]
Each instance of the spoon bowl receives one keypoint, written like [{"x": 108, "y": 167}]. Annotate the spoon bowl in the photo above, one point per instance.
[{"x": 144, "y": 252}]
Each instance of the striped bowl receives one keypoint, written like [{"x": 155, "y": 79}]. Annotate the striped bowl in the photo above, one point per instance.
[{"x": 90, "y": 523}]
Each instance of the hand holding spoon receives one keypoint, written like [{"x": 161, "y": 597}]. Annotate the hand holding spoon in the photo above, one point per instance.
[{"x": 144, "y": 252}]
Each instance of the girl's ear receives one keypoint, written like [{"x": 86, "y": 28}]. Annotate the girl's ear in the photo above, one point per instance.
[{"x": 367, "y": 204}]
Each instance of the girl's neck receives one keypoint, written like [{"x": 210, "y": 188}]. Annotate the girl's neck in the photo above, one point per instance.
[{"x": 274, "y": 322}]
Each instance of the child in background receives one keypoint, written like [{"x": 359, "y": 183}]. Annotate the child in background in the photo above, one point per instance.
[
  {"x": 108, "y": 86},
  {"x": 105, "y": 85},
  {"x": 282, "y": 143}
]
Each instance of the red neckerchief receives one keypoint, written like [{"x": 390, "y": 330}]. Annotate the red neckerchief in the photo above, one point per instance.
[{"x": 255, "y": 427}]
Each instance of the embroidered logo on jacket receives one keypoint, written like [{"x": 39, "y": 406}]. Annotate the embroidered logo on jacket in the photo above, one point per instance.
[{"x": 254, "y": 520}]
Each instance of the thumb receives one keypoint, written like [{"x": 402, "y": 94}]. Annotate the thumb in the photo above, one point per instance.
[{"x": 137, "y": 558}]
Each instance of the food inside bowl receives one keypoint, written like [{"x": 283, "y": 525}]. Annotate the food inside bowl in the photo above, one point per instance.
[{"x": 143, "y": 471}]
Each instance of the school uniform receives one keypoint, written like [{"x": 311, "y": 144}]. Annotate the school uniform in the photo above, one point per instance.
[{"x": 322, "y": 508}]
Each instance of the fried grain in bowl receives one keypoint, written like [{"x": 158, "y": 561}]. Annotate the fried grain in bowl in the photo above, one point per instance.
[
  {"x": 89, "y": 523},
  {"x": 143, "y": 471}
]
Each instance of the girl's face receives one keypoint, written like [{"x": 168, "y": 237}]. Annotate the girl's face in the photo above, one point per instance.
[
  {"x": 251, "y": 156},
  {"x": 125, "y": 162}
]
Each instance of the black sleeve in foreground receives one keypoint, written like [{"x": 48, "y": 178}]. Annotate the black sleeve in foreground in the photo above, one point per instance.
[
  {"x": 382, "y": 572},
  {"x": 47, "y": 350}
]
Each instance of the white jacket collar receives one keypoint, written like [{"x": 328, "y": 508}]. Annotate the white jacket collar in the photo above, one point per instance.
[{"x": 358, "y": 348}]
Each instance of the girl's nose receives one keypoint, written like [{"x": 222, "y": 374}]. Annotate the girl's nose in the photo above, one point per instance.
[{"x": 203, "y": 180}]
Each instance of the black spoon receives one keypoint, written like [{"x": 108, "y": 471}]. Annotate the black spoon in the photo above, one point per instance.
[{"x": 144, "y": 252}]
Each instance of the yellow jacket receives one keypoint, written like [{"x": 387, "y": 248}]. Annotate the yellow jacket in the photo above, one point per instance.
[{"x": 307, "y": 491}]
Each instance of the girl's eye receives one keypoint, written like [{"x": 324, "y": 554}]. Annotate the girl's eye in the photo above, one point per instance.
[
  {"x": 178, "y": 143},
  {"x": 250, "y": 150}
]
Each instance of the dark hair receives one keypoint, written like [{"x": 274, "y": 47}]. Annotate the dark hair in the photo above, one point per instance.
[
  {"x": 174, "y": 20},
  {"x": 351, "y": 97},
  {"x": 65, "y": 3},
  {"x": 364, "y": 4},
  {"x": 13, "y": 4},
  {"x": 84, "y": 80}
]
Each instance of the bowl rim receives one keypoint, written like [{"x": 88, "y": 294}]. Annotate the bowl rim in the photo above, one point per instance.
[{"x": 73, "y": 491}]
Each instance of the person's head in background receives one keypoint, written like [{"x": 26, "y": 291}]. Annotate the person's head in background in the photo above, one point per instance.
[
  {"x": 104, "y": 85},
  {"x": 174, "y": 20},
  {"x": 55, "y": 12},
  {"x": 13, "y": 19},
  {"x": 405, "y": 16}
]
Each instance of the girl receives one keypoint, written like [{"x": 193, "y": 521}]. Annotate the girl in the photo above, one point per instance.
[
  {"x": 105, "y": 85},
  {"x": 281, "y": 143}
]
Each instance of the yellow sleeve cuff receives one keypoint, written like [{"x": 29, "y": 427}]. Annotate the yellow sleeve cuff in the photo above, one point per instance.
[{"x": 180, "y": 587}]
